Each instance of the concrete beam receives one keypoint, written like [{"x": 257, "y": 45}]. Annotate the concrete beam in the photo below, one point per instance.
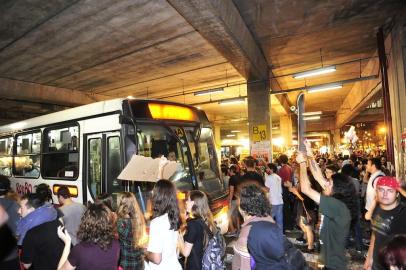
[
  {"x": 220, "y": 23},
  {"x": 358, "y": 97},
  {"x": 19, "y": 90}
]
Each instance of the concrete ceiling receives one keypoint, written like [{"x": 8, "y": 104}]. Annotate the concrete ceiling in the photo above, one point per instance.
[{"x": 106, "y": 49}]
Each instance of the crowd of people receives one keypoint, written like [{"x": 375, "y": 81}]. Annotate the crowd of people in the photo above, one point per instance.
[
  {"x": 345, "y": 206},
  {"x": 339, "y": 203}
]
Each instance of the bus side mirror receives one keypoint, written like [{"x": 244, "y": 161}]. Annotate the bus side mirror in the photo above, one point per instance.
[{"x": 125, "y": 120}]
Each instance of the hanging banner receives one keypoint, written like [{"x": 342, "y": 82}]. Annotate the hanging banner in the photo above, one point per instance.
[{"x": 261, "y": 150}]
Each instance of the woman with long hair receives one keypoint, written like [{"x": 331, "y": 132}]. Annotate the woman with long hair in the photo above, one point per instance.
[
  {"x": 164, "y": 226},
  {"x": 97, "y": 248},
  {"x": 195, "y": 239},
  {"x": 131, "y": 229}
]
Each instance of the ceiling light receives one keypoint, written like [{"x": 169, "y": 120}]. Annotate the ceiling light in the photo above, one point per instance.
[
  {"x": 235, "y": 131},
  {"x": 130, "y": 97},
  {"x": 238, "y": 119},
  {"x": 230, "y": 135},
  {"x": 314, "y": 140},
  {"x": 324, "y": 87},
  {"x": 198, "y": 107},
  {"x": 232, "y": 101},
  {"x": 314, "y": 72},
  {"x": 312, "y": 113},
  {"x": 308, "y": 118},
  {"x": 208, "y": 92}
]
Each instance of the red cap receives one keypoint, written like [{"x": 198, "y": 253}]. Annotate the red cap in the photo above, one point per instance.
[{"x": 387, "y": 181}]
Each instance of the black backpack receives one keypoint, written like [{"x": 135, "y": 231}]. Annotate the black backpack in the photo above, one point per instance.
[
  {"x": 294, "y": 258},
  {"x": 213, "y": 256}
]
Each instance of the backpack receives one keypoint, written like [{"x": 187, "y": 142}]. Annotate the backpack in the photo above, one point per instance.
[
  {"x": 294, "y": 257},
  {"x": 213, "y": 256}
]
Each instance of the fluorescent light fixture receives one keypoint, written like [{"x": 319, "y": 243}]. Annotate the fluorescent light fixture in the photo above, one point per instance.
[
  {"x": 312, "y": 113},
  {"x": 235, "y": 131},
  {"x": 324, "y": 87},
  {"x": 208, "y": 92},
  {"x": 238, "y": 119},
  {"x": 308, "y": 118},
  {"x": 230, "y": 135},
  {"x": 232, "y": 101},
  {"x": 315, "y": 72},
  {"x": 130, "y": 97}
]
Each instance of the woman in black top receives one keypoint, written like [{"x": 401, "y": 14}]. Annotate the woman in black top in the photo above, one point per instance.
[{"x": 194, "y": 240}]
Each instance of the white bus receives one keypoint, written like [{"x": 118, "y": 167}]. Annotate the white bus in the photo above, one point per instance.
[{"x": 85, "y": 148}]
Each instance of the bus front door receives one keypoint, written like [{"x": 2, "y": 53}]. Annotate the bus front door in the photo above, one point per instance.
[{"x": 103, "y": 163}]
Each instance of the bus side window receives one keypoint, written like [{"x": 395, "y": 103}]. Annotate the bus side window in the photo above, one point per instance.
[
  {"x": 27, "y": 162},
  {"x": 6, "y": 159},
  {"x": 60, "y": 153}
]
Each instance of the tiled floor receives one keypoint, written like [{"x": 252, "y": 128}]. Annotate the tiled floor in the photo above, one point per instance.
[{"x": 355, "y": 261}]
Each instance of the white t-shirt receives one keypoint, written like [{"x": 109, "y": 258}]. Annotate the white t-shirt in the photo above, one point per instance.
[
  {"x": 163, "y": 240},
  {"x": 274, "y": 183},
  {"x": 371, "y": 193}
]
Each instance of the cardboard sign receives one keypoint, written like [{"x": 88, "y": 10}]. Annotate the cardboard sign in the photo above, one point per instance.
[{"x": 141, "y": 169}]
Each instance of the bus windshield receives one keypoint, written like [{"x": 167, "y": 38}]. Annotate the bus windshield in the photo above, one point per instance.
[
  {"x": 156, "y": 141},
  {"x": 191, "y": 147}
]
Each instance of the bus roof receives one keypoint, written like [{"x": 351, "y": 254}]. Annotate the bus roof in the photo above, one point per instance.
[{"x": 96, "y": 108}]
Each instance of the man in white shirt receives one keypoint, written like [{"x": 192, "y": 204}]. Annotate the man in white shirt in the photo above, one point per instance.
[
  {"x": 274, "y": 183},
  {"x": 374, "y": 166}
]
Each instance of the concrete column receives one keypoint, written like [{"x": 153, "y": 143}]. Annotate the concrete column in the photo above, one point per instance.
[
  {"x": 259, "y": 112},
  {"x": 395, "y": 45},
  {"x": 336, "y": 139},
  {"x": 286, "y": 129},
  {"x": 217, "y": 140}
]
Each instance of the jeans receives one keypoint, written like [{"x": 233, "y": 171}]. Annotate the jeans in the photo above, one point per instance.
[{"x": 277, "y": 214}]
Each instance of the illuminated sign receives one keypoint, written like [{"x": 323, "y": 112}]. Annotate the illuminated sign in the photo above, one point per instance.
[
  {"x": 171, "y": 112},
  {"x": 73, "y": 190}
]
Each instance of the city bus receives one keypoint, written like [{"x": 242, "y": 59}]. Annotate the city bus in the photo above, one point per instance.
[{"x": 85, "y": 148}]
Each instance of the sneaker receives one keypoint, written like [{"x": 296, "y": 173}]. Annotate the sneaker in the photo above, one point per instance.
[
  {"x": 301, "y": 241},
  {"x": 231, "y": 234}
]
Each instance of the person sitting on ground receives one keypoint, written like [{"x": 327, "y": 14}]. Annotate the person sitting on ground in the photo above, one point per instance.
[
  {"x": 8, "y": 250},
  {"x": 97, "y": 248},
  {"x": 164, "y": 226},
  {"x": 131, "y": 231},
  {"x": 41, "y": 247},
  {"x": 72, "y": 212},
  {"x": 193, "y": 243},
  {"x": 336, "y": 216},
  {"x": 389, "y": 219},
  {"x": 260, "y": 240}
]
